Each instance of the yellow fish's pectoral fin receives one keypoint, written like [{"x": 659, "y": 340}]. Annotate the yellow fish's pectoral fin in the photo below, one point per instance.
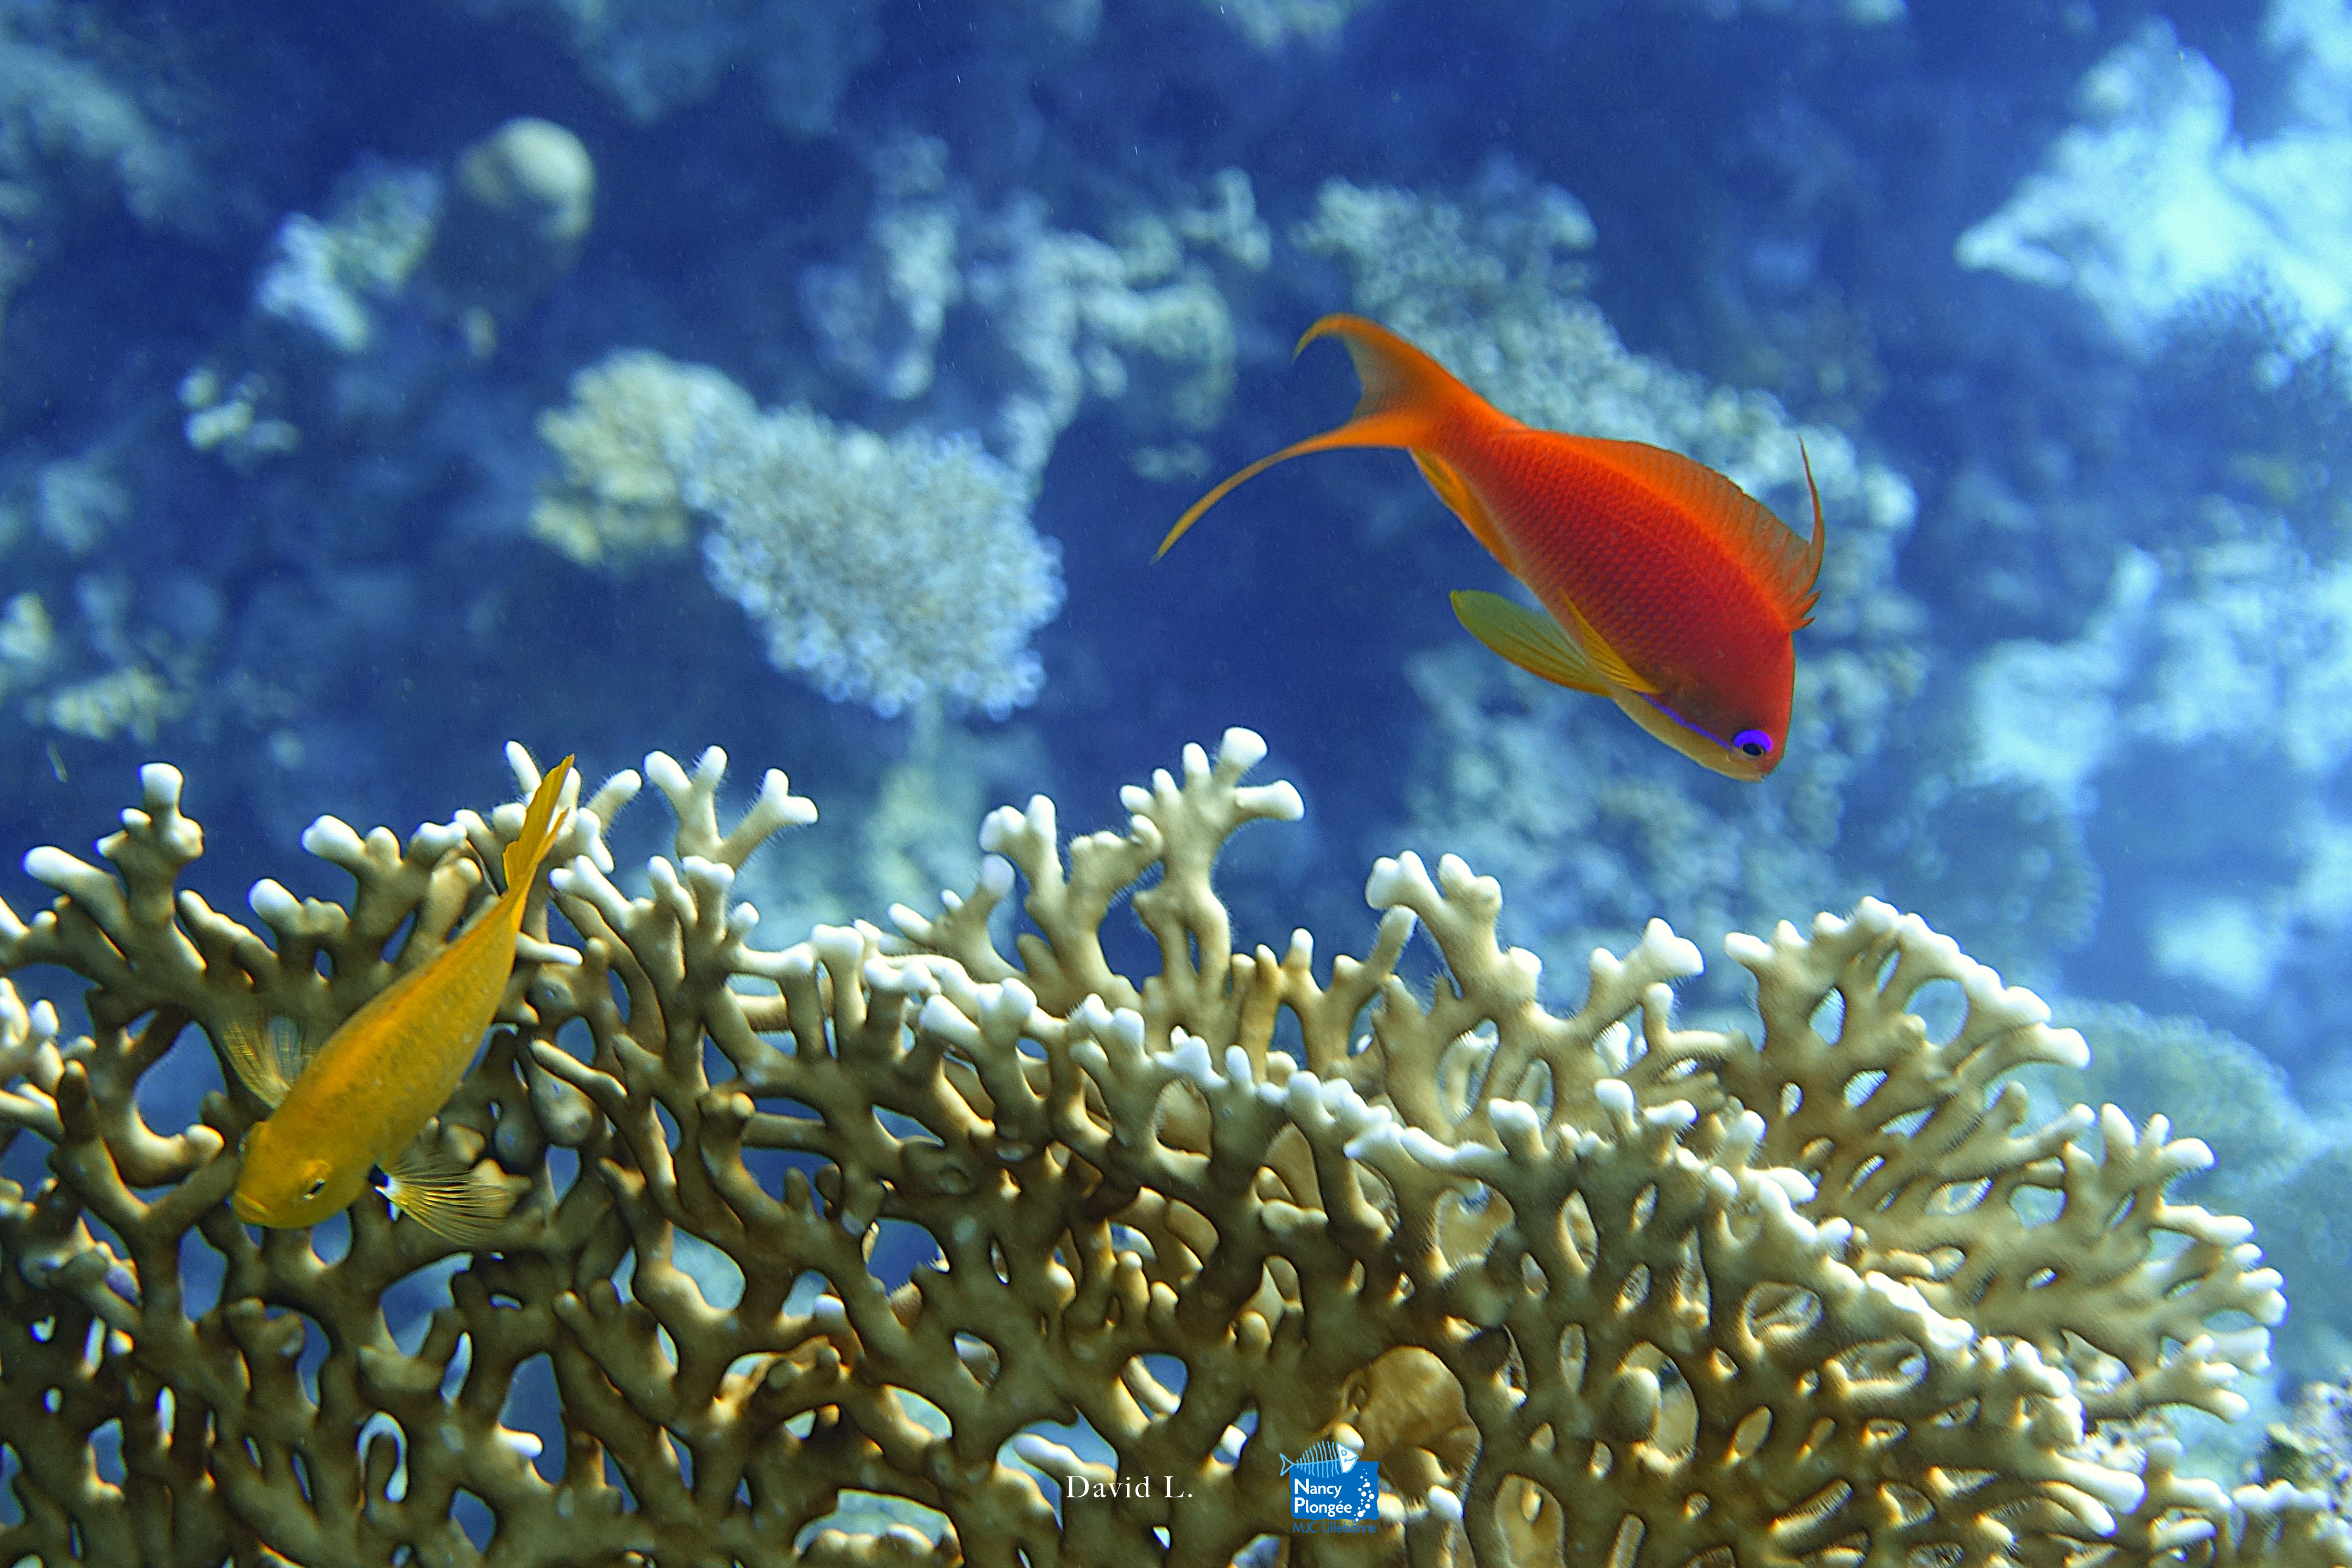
[
  {"x": 463, "y": 1203},
  {"x": 1528, "y": 639},
  {"x": 269, "y": 1066},
  {"x": 1462, "y": 501}
]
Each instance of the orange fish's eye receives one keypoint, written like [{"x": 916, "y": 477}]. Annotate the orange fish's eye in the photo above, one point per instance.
[{"x": 1752, "y": 744}]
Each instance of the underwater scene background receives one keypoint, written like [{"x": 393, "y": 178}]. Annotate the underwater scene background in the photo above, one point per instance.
[{"x": 814, "y": 379}]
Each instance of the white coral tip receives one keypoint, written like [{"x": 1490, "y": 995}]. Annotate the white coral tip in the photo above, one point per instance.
[
  {"x": 1241, "y": 750},
  {"x": 1875, "y": 917},
  {"x": 1513, "y": 1116},
  {"x": 1741, "y": 948},
  {"x": 1279, "y": 800},
  {"x": 1393, "y": 881},
  {"x": 1044, "y": 1454},
  {"x": 837, "y": 947},
  {"x": 1678, "y": 955},
  {"x": 1615, "y": 1096},
  {"x": 667, "y": 776},
  {"x": 1675, "y": 1114},
  {"x": 159, "y": 787},
  {"x": 1442, "y": 1503},
  {"x": 52, "y": 866},
  {"x": 776, "y": 796},
  {"x": 1795, "y": 1184},
  {"x": 332, "y": 838},
  {"x": 941, "y": 1017},
  {"x": 272, "y": 902},
  {"x": 996, "y": 875},
  {"x": 997, "y": 828},
  {"x": 1189, "y": 1057},
  {"x": 1425, "y": 1149},
  {"x": 1005, "y": 1007}
]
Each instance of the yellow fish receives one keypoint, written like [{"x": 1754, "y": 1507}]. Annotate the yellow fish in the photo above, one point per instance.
[{"x": 361, "y": 1100}]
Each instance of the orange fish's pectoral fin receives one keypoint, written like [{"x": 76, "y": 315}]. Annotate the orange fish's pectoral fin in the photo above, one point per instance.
[
  {"x": 268, "y": 1065},
  {"x": 1608, "y": 660},
  {"x": 1527, "y": 638},
  {"x": 1456, "y": 493},
  {"x": 461, "y": 1202}
]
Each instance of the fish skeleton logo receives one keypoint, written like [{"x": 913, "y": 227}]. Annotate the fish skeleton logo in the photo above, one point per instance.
[{"x": 1332, "y": 1485}]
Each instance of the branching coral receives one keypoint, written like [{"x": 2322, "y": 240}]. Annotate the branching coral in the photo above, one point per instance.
[{"x": 1584, "y": 1287}]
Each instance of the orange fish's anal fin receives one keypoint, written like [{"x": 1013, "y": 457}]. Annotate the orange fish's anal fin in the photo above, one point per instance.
[
  {"x": 1531, "y": 640},
  {"x": 1456, "y": 493}
]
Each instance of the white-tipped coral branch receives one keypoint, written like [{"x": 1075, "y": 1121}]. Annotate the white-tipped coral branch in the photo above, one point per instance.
[{"x": 1588, "y": 1287}]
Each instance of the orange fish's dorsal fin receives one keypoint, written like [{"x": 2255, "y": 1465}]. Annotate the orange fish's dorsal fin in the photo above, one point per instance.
[
  {"x": 1533, "y": 642},
  {"x": 1406, "y": 395},
  {"x": 1456, "y": 493},
  {"x": 540, "y": 828},
  {"x": 1786, "y": 564},
  {"x": 1816, "y": 547}
]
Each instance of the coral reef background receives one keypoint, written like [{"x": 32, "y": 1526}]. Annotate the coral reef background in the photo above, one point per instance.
[{"x": 815, "y": 377}]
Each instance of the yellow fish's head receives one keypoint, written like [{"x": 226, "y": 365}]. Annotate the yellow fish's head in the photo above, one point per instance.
[{"x": 286, "y": 1184}]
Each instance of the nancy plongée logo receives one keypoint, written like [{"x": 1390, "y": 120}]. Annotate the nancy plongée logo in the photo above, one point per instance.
[{"x": 1330, "y": 1485}]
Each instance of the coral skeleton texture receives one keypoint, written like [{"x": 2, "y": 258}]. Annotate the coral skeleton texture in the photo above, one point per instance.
[{"x": 1588, "y": 1287}]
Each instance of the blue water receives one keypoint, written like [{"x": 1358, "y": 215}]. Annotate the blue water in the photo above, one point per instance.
[{"x": 357, "y": 625}]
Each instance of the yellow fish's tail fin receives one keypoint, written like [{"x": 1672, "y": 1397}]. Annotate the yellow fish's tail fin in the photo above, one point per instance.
[
  {"x": 1406, "y": 393},
  {"x": 541, "y": 825}
]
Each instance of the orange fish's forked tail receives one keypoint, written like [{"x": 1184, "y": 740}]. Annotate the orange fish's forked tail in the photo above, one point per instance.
[
  {"x": 541, "y": 828},
  {"x": 1407, "y": 395}
]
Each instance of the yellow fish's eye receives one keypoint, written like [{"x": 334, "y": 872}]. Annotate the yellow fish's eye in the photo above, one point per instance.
[{"x": 315, "y": 1188}]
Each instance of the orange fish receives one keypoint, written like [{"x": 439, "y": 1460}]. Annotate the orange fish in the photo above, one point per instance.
[{"x": 1671, "y": 591}]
